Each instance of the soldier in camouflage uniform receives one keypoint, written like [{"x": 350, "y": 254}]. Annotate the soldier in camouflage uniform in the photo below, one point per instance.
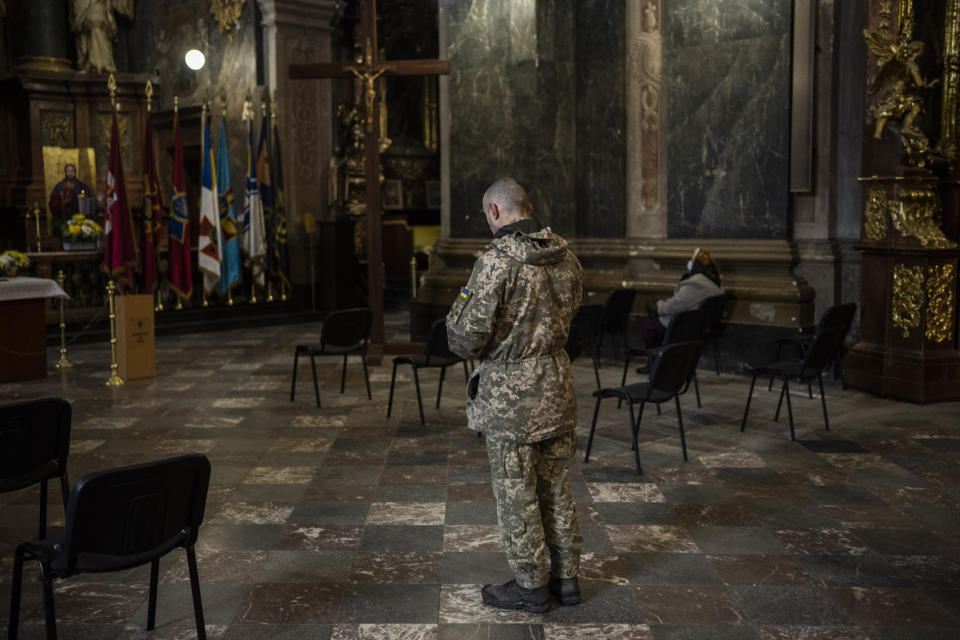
[{"x": 514, "y": 316}]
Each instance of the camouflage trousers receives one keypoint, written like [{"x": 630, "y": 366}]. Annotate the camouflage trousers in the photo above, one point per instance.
[{"x": 535, "y": 507}]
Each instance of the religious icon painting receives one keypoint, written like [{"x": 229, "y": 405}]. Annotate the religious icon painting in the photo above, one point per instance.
[{"x": 393, "y": 194}]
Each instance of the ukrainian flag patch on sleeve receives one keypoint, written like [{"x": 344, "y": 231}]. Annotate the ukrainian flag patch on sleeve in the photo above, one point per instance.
[{"x": 462, "y": 298}]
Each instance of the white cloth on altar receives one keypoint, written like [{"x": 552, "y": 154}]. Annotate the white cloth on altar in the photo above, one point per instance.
[{"x": 22, "y": 288}]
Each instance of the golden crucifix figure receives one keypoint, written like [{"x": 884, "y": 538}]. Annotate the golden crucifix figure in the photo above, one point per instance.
[{"x": 367, "y": 75}]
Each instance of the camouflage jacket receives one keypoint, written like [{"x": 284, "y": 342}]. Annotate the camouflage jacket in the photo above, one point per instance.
[{"x": 514, "y": 316}]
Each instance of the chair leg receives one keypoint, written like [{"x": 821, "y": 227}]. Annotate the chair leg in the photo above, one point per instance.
[
  {"x": 777, "y": 359},
  {"x": 746, "y": 409},
  {"x": 696, "y": 388},
  {"x": 810, "y": 388},
  {"x": 152, "y": 596},
  {"x": 316, "y": 387},
  {"x": 393, "y": 381},
  {"x": 634, "y": 430},
  {"x": 42, "y": 531},
  {"x": 623, "y": 378},
  {"x": 593, "y": 427},
  {"x": 466, "y": 373},
  {"x": 293, "y": 383},
  {"x": 776, "y": 416},
  {"x": 443, "y": 372},
  {"x": 366, "y": 375},
  {"x": 639, "y": 419},
  {"x": 786, "y": 389},
  {"x": 596, "y": 370},
  {"x": 716, "y": 355},
  {"x": 195, "y": 590},
  {"x": 683, "y": 438},
  {"x": 823, "y": 400},
  {"x": 416, "y": 382},
  {"x": 659, "y": 412},
  {"x": 343, "y": 374},
  {"x": 65, "y": 489},
  {"x": 49, "y": 615},
  {"x": 15, "y": 587}
]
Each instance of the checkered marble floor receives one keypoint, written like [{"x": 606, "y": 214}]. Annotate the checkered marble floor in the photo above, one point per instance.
[{"x": 340, "y": 523}]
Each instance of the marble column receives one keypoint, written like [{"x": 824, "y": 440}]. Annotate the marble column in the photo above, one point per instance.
[
  {"x": 40, "y": 34},
  {"x": 299, "y": 31}
]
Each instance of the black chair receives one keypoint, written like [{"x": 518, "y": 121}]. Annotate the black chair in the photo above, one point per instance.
[
  {"x": 670, "y": 376},
  {"x": 120, "y": 519},
  {"x": 840, "y": 315},
  {"x": 436, "y": 354},
  {"x": 686, "y": 326},
  {"x": 34, "y": 444},
  {"x": 712, "y": 317},
  {"x": 585, "y": 331},
  {"x": 817, "y": 359},
  {"x": 344, "y": 332}
]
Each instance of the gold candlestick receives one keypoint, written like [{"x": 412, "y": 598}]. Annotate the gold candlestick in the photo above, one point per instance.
[
  {"x": 269, "y": 291},
  {"x": 64, "y": 361},
  {"x": 159, "y": 305},
  {"x": 413, "y": 277},
  {"x": 115, "y": 380},
  {"x": 253, "y": 293},
  {"x": 283, "y": 292},
  {"x": 36, "y": 219}
]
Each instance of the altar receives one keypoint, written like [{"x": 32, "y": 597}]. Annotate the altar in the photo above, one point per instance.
[{"x": 23, "y": 350}]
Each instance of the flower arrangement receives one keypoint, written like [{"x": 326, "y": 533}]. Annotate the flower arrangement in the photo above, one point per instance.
[
  {"x": 79, "y": 228},
  {"x": 13, "y": 262}
]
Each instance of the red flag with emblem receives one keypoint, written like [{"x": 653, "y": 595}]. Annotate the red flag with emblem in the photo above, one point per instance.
[
  {"x": 120, "y": 244},
  {"x": 152, "y": 212}
]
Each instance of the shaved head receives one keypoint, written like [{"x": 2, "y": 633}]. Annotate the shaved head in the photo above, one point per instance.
[{"x": 509, "y": 197}]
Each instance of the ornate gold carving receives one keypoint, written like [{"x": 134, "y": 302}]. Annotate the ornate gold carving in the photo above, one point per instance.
[
  {"x": 898, "y": 75},
  {"x": 105, "y": 122},
  {"x": 917, "y": 214},
  {"x": 940, "y": 286},
  {"x": 367, "y": 75},
  {"x": 875, "y": 214},
  {"x": 57, "y": 128},
  {"x": 885, "y": 13},
  {"x": 907, "y": 298},
  {"x": 227, "y": 13},
  {"x": 951, "y": 84}
]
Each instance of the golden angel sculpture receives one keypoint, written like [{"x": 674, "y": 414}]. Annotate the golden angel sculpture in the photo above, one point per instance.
[
  {"x": 899, "y": 76},
  {"x": 95, "y": 25}
]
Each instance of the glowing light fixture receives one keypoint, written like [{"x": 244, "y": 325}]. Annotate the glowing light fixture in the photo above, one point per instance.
[{"x": 195, "y": 59}]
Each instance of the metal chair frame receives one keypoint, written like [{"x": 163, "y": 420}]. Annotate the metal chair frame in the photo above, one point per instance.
[{"x": 344, "y": 332}]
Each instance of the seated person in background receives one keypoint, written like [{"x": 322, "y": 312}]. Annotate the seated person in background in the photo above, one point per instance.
[{"x": 701, "y": 281}]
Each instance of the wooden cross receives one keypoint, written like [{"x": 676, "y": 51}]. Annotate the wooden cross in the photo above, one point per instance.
[{"x": 368, "y": 71}]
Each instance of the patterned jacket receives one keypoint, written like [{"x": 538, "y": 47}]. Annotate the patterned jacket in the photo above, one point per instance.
[{"x": 514, "y": 316}]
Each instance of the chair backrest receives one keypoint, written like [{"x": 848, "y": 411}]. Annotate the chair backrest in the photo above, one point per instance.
[
  {"x": 437, "y": 345},
  {"x": 840, "y": 315},
  {"x": 713, "y": 312},
  {"x": 347, "y": 327},
  {"x": 34, "y": 441},
  {"x": 823, "y": 349},
  {"x": 686, "y": 326},
  {"x": 617, "y": 308},
  {"x": 128, "y": 516},
  {"x": 673, "y": 366}
]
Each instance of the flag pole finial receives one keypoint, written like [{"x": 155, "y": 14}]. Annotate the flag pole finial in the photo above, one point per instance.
[
  {"x": 149, "y": 92},
  {"x": 112, "y": 87}
]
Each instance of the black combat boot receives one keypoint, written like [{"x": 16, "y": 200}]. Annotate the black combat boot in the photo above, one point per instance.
[
  {"x": 512, "y": 596},
  {"x": 565, "y": 590}
]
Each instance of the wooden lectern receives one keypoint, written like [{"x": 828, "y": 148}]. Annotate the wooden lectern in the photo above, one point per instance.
[{"x": 136, "y": 346}]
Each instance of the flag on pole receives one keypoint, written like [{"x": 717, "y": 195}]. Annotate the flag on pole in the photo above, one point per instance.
[
  {"x": 265, "y": 184},
  {"x": 281, "y": 257},
  {"x": 254, "y": 243},
  {"x": 181, "y": 269},
  {"x": 152, "y": 211},
  {"x": 208, "y": 244},
  {"x": 230, "y": 264},
  {"x": 120, "y": 250}
]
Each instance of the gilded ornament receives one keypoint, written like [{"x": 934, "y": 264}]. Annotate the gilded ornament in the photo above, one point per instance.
[
  {"x": 898, "y": 74},
  {"x": 917, "y": 214},
  {"x": 940, "y": 286},
  {"x": 57, "y": 128},
  {"x": 885, "y": 14},
  {"x": 227, "y": 13},
  {"x": 951, "y": 84},
  {"x": 875, "y": 214},
  {"x": 907, "y": 298}
]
